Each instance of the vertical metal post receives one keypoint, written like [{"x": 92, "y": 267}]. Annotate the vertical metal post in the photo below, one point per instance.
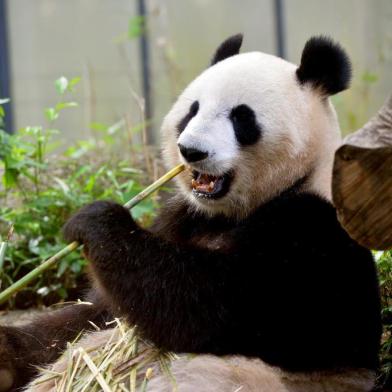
[
  {"x": 280, "y": 30},
  {"x": 5, "y": 89},
  {"x": 145, "y": 68}
]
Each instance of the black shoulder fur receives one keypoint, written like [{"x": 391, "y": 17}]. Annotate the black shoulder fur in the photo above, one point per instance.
[{"x": 286, "y": 285}]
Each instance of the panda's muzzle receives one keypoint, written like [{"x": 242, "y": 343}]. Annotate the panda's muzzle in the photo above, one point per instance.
[
  {"x": 192, "y": 154},
  {"x": 210, "y": 186}
]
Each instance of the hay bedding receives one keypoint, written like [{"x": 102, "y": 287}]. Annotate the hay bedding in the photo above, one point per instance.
[{"x": 116, "y": 360}]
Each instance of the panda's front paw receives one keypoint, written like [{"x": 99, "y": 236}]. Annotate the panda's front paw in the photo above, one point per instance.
[
  {"x": 98, "y": 221},
  {"x": 8, "y": 368}
]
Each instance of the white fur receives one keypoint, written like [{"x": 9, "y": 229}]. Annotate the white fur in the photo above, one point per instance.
[
  {"x": 207, "y": 373},
  {"x": 300, "y": 131},
  {"x": 214, "y": 136}
]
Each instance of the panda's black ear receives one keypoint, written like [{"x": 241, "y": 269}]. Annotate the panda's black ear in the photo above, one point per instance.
[
  {"x": 230, "y": 47},
  {"x": 325, "y": 65}
]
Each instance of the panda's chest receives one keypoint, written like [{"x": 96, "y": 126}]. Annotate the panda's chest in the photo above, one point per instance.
[{"x": 223, "y": 241}]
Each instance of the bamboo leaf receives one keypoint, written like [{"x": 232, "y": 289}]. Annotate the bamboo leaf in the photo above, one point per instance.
[{"x": 61, "y": 85}]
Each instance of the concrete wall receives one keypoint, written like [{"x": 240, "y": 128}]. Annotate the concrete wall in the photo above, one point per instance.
[
  {"x": 87, "y": 38},
  {"x": 50, "y": 38}
]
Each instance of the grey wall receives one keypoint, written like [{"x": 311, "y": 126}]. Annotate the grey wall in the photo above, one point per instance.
[
  {"x": 85, "y": 38},
  {"x": 50, "y": 38},
  {"x": 364, "y": 28}
]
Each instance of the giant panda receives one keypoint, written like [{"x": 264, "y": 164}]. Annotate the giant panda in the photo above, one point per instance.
[{"x": 247, "y": 265}]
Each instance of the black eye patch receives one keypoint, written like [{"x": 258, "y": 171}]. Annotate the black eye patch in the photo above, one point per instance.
[
  {"x": 246, "y": 129},
  {"x": 192, "y": 113}
]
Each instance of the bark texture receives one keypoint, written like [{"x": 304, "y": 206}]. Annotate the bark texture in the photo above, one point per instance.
[{"x": 362, "y": 181}]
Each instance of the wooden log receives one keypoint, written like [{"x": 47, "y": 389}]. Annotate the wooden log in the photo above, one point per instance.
[
  {"x": 362, "y": 182},
  {"x": 377, "y": 132},
  {"x": 362, "y": 194}
]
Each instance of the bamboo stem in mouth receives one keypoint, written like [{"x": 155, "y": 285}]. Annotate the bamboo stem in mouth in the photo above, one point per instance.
[{"x": 25, "y": 280}]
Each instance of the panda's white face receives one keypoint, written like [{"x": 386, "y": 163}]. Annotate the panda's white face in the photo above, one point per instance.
[{"x": 247, "y": 130}]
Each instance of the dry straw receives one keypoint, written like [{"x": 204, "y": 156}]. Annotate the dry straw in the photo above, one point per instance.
[{"x": 119, "y": 362}]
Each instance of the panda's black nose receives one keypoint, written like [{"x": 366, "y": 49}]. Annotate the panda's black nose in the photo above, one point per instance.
[{"x": 192, "y": 154}]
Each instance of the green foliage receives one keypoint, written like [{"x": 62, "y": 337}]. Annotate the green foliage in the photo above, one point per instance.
[
  {"x": 2, "y": 113},
  {"x": 355, "y": 106},
  {"x": 384, "y": 264},
  {"x": 41, "y": 189},
  {"x": 136, "y": 27},
  {"x": 369, "y": 77},
  {"x": 63, "y": 86}
]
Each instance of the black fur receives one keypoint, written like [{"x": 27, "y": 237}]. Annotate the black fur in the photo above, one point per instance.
[
  {"x": 23, "y": 349},
  {"x": 325, "y": 65},
  {"x": 188, "y": 117},
  {"x": 246, "y": 129},
  {"x": 230, "y": 47},
  {"x": 192, "y": 154},
  {"x": 287, "y": 284}
]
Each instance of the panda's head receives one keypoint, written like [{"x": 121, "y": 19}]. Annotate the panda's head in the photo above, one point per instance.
[{"x": 252, "y": 125}]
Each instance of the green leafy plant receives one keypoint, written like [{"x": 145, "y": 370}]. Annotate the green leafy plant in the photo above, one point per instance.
[
  {"x": 136, "y": 28},
  {"x": 41, "y": 188},
  {"x": 355, "y": 106},
  {"x": 384, "y": 264}
]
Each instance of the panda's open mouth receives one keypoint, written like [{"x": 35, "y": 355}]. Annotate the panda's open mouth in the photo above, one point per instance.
[{"x": 209, "y": 186}]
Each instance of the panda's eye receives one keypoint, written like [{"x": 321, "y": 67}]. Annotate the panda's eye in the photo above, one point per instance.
[
  {"x": 241, "y": 113},
  {"x": 246, "y": 128},
  {"x": 194, "y": 108}
]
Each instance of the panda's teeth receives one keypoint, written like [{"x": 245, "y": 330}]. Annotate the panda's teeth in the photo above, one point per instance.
[
  {"x": 209, "y": 186},
  {"x": 194, "y": 183},
  {"x": 204, "y": 183}
]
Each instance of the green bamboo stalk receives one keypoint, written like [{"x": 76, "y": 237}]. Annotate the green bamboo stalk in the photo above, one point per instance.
[{"x": 23, "y": 282}]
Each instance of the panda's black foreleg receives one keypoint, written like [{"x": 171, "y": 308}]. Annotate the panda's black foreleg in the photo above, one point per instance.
[
  {"x": 175, "y": 295},
  {"x": 41, "y": 342}
]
